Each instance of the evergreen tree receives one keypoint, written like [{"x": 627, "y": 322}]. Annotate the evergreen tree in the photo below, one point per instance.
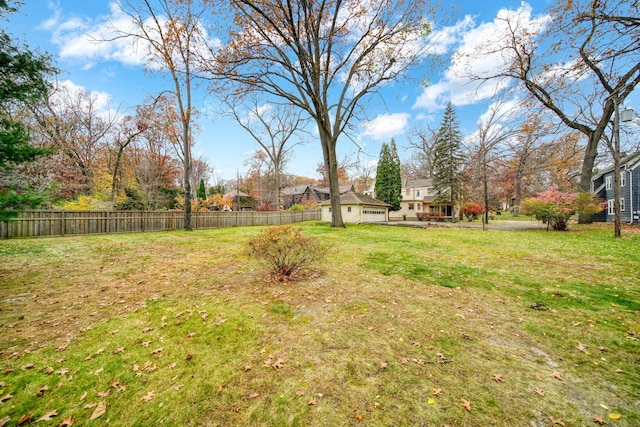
[
  {"x": 22, "y": 82},
  {"x": 448, "y": 160},
  {"x": 388, "y": 187},
  {"x": 202, "y": 192}
]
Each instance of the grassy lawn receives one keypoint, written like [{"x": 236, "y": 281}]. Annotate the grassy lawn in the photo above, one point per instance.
[{"x": 398, "y": 326}]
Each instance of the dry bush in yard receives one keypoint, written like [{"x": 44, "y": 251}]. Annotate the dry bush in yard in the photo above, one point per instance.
[{"x": 285, "y": 250}]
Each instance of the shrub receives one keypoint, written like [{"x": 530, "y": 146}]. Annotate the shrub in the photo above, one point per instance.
[
  {"x": 285, "y": 250},
  {"x": 588, "y": 204},
  {"x": 472, "y": 210},
  {"x": 296, "y": 207},
  {"x": 266, "y": 207},
  {"x": 552, "y": 206}
]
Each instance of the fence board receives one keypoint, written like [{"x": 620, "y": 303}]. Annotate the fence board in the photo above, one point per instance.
[{"x": 34, "y": 223}]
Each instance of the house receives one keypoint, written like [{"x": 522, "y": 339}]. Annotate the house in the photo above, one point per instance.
[
  {"x": 602, "y": 186},
  {"x": 418, "y": 196},
  {"x": 358, "y": 208},
  {"x": 308, "y": 195},
  {"x": 240, "y": 201}
]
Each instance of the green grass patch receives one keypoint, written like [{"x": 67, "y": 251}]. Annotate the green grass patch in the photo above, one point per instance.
[{"x": 397, "y": 326}]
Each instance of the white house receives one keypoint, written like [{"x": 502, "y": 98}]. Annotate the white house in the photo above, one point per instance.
[
  {"x": 358, "y": 208},
  {"x": 418, "y": 196}
]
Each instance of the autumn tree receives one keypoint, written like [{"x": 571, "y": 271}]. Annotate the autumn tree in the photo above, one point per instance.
[
  {"x": 388, "y": 186},
  {"x": 23, "y": 82},
  {"x": 127, "y": 130},
  {"x": 274, "y": 127},
  {"x": 172, "y": 31},
  {"x": 495, "y": 127},
  {"x": 579, "y": 62},
  {"x": 448, "y": 160},
  {"x": 324, "y": 57}
]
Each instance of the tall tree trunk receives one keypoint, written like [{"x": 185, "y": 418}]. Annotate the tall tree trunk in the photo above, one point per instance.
[
  {"x": 331, "y": 165},
  {"x": 116, "y": 170},
  {"x": 590, "y": 154}
]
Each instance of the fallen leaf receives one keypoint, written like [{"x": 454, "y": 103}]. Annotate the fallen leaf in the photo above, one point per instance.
[
  {"x": 103, "y": 394},
  {"x": 42, "y": 390},
  {"x": 190, "y": 356},
  {"x": 149, "y": 396},
  {"x": 437, "y": 392},
  {"x": 557, "y": 375},
  {"x": 254, "y": 395},
  {"x": 312, "y": 401},
  {"x": 84, "y": 396},
  {"x": 498, "y": 378},
  {"x": 602, "y": 348},
  {"x": 247, "y": 367},
  {"x": 48, "y": 416},
  {"x": 5, "y": 397},
  {"x": 466, "y": 404},
  {"x": 63, "y": 371},
  {"x": 615, "y": 416},
  {"x": 191, "y": 335},
  {"x": 91, "y": 405},
  {"x": 147, "y": 330},
  {"x": 27, "y": 366},
  {"x": 118, "y": 350},
  {"x": 619, "y": 371},
  {"x": 383, "y": 365},
  {"x": 67, "y": 422},
  {"x": 558, "y": 422},
  {"x": 581, "y": 347},
  {"x": 24, "y": 419},
  {"x": 178, "y": 387},
  {"x": 48, "y": 370},
  {"x": 100, "y": 410},
  {"x": 357, "y": 416},
  {"x": 431, "y": 401},
  {"x": 300, "y": 393},
  {"x": 539, "y": 391},
  {"x": 98, "y": 371},
  {"x": 599, "y": 420},
  {"x": 4, "y": 421},
  {"x": 279, "y": 364}
]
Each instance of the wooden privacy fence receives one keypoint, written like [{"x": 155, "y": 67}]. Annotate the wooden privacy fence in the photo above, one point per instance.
[{"x": 71, "y": 223}]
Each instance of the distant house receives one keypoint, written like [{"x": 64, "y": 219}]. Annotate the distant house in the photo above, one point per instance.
[
  {"x": 240, "y": 201},
  {"x": 308, "y": 195},
  {"x": 358, "y": 208},
  {"x": 602, "y": 186},
  {"x": 418, "y": 196}
]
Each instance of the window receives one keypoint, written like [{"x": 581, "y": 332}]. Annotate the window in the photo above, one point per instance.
[
  {"x": 407, "y": 191},
  {"x": 410, "y": 206},
  {"x": 419, "y": 206},
  {"x": 348, "y": 208},
  {"x": 417, "y": 194},
  {"x": 610, "y": 207},
  {"x": 623, "y": 179},
  {"x": 622, "y": 204},
  {"x": 608, "y": 182}
]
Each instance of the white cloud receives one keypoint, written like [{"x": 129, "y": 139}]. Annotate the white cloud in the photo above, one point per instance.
[
  {"x": 91, "y": 40},
  {"x": 457, "y": 85},
  {"x": 386, "y": 126}
]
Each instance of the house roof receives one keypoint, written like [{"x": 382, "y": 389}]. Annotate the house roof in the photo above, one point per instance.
[
  {"x": 631, "y": 161},
  {"x": 233, "y": 193},
  {"x": 423, "y": 182},
  {"x": 352, "y": 198},
  {"x": 342, "y": 188},
  {"x": 298, "y": 189}
]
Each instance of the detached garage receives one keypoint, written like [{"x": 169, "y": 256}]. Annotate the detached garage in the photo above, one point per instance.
[{"x": 358, "y": 208}]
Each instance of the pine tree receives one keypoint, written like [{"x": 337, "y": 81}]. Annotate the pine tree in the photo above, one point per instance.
[
  {"x": 388, "y": 187},
  {"x": 202, "y": 192},
  {"x": 448, "y": 159}
]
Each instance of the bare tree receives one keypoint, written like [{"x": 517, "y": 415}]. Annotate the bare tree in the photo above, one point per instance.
[
  {"x": 421, "y": 142},
  {"x": 495, "y": 127},
  {"x": 273, "y": 127},
  {"x": 325, "y": 57},
  {"x": 587, "y": 55},
  {"x": 172, "y": 31},
  {"x": 125, "y": 132}
]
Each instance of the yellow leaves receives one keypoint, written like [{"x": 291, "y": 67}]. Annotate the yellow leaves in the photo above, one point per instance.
[
  {"x": 615, "y": 416},
  {"x": 431, "y": 401}
]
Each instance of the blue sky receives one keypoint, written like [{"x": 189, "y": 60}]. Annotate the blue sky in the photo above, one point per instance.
[{"x": 116, "y": 74}]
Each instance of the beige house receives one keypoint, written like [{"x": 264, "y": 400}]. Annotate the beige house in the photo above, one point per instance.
[
  {"x": 418, "y": 196},
  {"x": 358, "y": 208}
]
